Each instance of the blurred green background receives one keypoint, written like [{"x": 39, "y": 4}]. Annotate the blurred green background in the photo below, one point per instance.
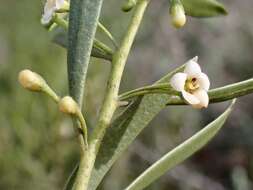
[{"x": 38, "y": 148}]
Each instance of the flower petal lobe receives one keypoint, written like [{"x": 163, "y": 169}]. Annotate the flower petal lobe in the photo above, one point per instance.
[
  {"x": 190, "y": 98},
  {"x": 178, "y": 81},
  {"x": 203, "y": 81},
  {"x": 192, "y": 68},
  {"x": 203, "y": 98}
]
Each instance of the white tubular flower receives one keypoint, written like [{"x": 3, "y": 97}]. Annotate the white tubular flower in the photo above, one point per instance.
[
  {"x": 50, "y": 7},
  {"x": 193, "y": 84}
]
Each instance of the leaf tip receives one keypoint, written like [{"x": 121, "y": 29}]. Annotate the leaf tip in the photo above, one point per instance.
[{"x": 222, "y": 10}]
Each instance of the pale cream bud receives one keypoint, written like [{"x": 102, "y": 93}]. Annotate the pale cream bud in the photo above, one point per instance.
[
  {"x": 68, "y": 105},
  {"x": 31, "y": 80},
  {"x": 178, "y": 17}
]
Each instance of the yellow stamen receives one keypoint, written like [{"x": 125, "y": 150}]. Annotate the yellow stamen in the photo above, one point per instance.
[{"x": 191, "y": 85}]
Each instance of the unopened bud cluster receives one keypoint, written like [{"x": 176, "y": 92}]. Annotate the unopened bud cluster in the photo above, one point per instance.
[{"x": 34, "y": 82}]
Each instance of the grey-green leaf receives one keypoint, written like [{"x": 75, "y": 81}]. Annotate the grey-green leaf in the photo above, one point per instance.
[
  {"x": 203, "y": 8},
  {"x": 180, "y": 153},
  {"x": 126, "y": 128},
  {"x": 83, "y": 19},
  {"x": 70, "y": 182},
  {"x": 60, "y": 38},
  {"x": 117, "y": 139}
]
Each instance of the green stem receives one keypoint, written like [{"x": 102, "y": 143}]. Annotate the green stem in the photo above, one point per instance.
[
  {"x": 47, "y": 90},
  {"x": 103, "y": 47},
  {"x": 98, "y": 53},
  {"x": 60, "y": 21},
  {"x": 107, "y": 33},
  {"x": 145, "y": 92},
  {"x": 163, "y": 88},
  {"x": 83, "y": 126},
  {"x": 118, "y": 64},
  {"x": 110, "y": 101}
]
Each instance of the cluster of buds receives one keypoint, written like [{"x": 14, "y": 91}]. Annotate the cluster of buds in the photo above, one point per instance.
[{"x": 34, "y": 82}]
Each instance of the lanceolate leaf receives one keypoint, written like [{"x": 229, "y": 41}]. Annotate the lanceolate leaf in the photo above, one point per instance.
[
  {"x": 203, "y": 8},
  {"x": 180, "y": 153},
  {"x": 61, "y": 39},
  {"x": 83, "y": 19},
  {"x": 123, "y": 131},
  {"x": 117, "y": 139},
  {"x": 70, "y": 182}
]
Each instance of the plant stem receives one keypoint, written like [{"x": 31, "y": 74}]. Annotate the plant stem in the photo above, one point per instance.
[
  {"x": 145, "y": 92},
  {"x": 61, "y": 21},
  {"x": 156, "y": 88},
  {"x": 118, "y": 64},
  {"x": 111, "y": 97},
  {"x": 47, "y": 90},
  {"x": 107, "y": 33},
  {"x": 83, "y": 126},
  {"x": 103, "y": 47}
]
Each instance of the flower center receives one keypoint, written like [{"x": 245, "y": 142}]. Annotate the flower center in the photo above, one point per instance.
[{"x": 191, "y": 85}]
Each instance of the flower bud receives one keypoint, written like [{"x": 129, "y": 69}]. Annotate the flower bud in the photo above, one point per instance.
[
  {"x": 68, "y": 105},
  {"x": 177, "y": 14},
  {"x": 129, "y": 4},
  {"x": 31, "y": 80}
]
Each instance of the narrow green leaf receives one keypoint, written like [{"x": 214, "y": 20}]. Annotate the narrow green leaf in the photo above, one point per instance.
[
  {"x": 150, "y": 105},
  {"x": 203, "y": 8},
  {"x": 70, "y": 182},
  {"x": 83, "y": 19},
  {"x": 60, "y": 38},
  {"x": 180, "y": 153},
  {"x": 123, "y": 131}
]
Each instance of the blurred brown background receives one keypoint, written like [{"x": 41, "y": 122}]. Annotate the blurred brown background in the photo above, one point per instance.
[{"x": 38, "y": 148}]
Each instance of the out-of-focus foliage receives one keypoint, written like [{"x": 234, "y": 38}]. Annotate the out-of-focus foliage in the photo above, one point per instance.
[
  {"x": 37, "y": 145},
  {"x": 203, "y": 8}
]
